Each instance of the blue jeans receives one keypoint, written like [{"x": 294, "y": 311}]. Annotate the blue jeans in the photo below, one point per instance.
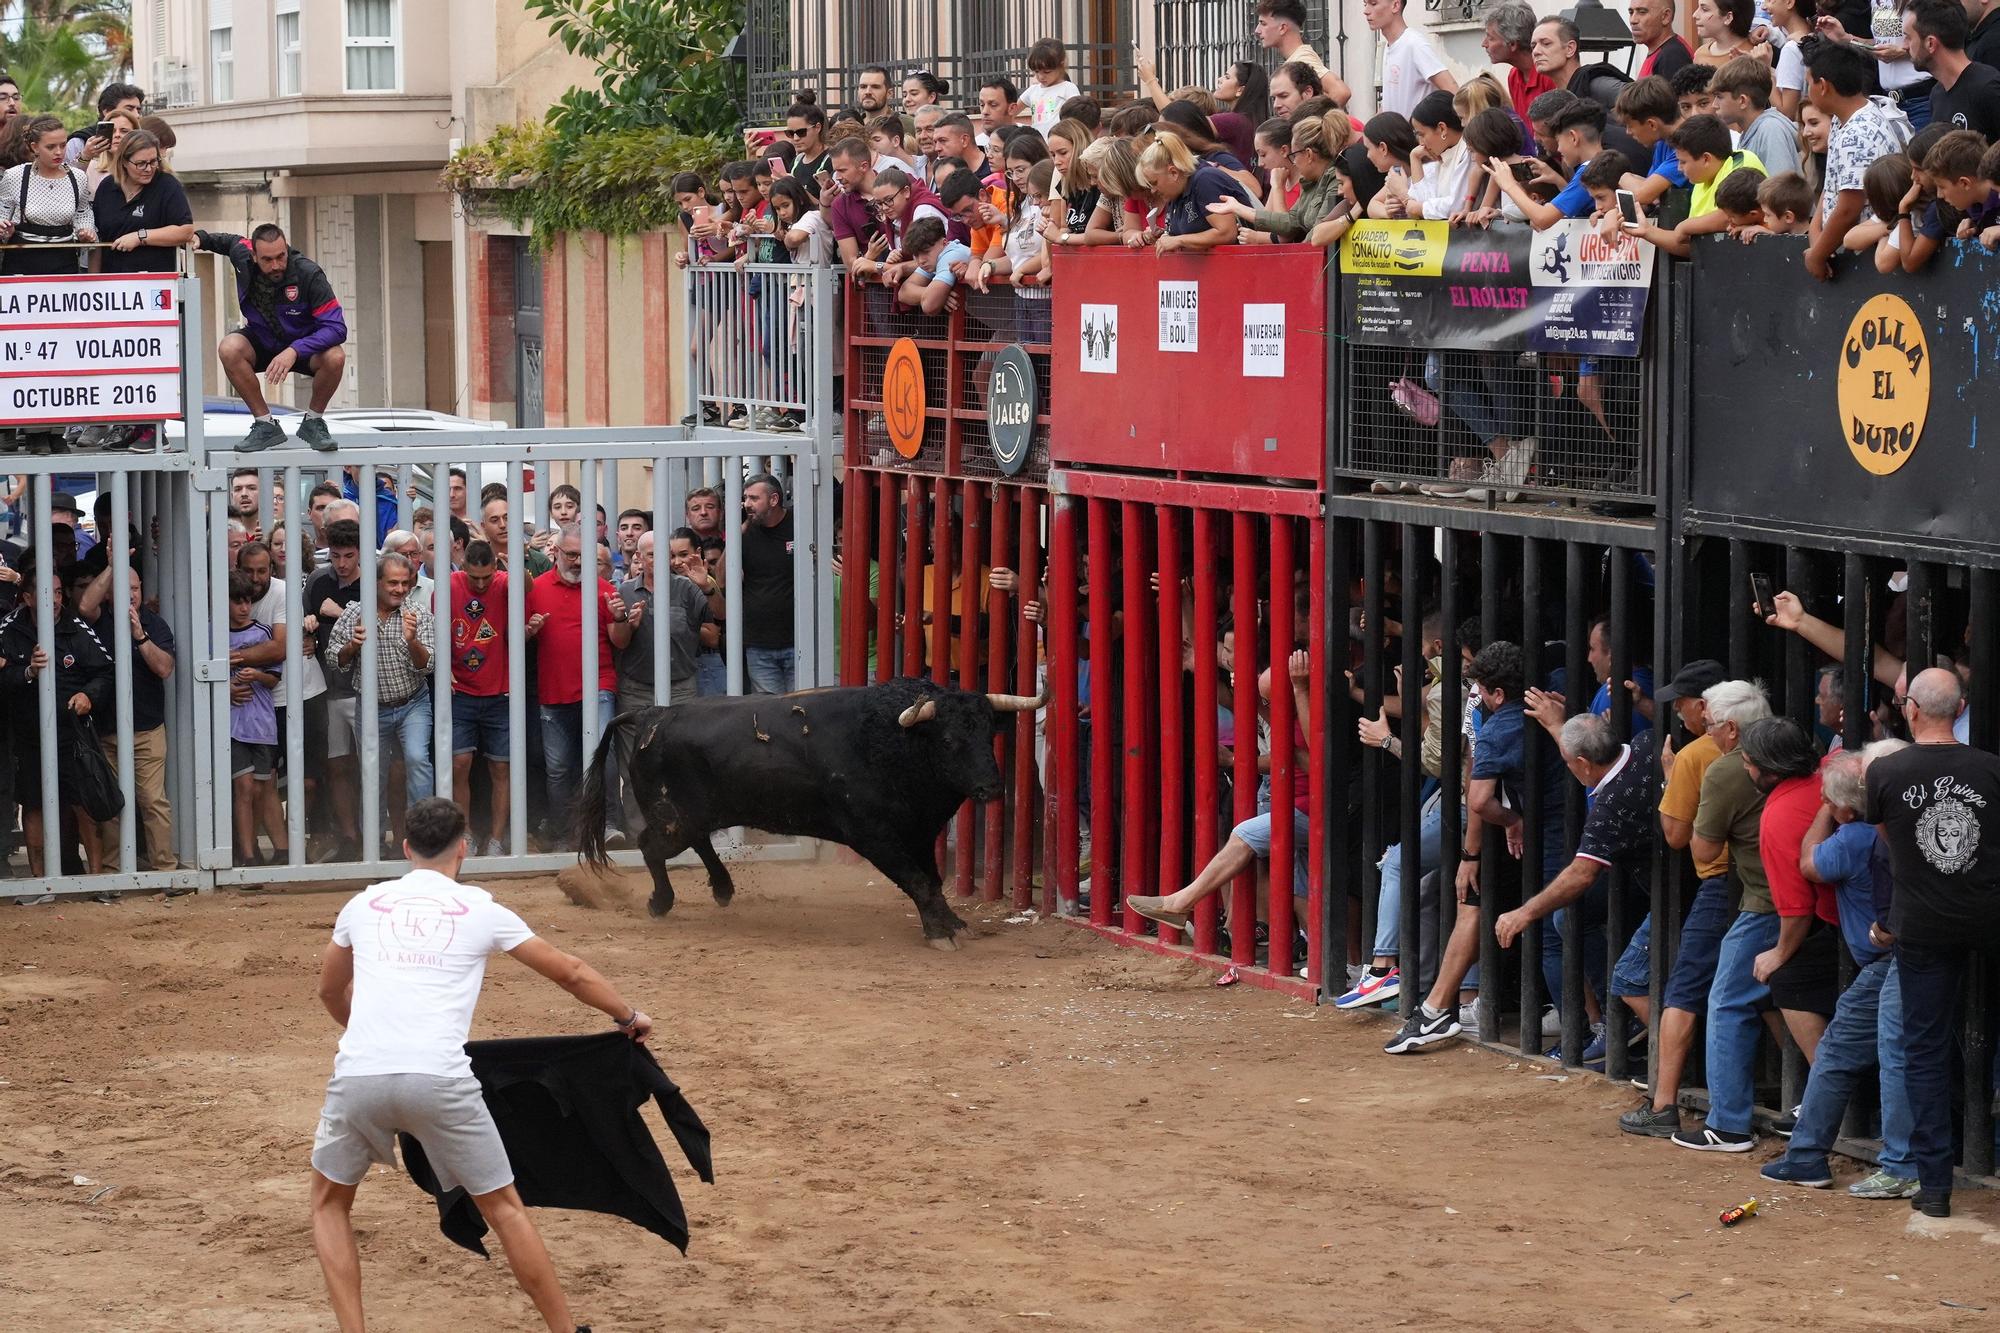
[
  {"x": 1481, "y": 392},
  {"x": 770, "y": 670},
  {"x": 562, "y": 753},
  {"x": 1708, "y": 920},
  {"x": 406, "y": 730},
  {"x": 1734, "y": 1023},
  {"x": 1593, "y": 905},
  {"x": 1430, "y": 854},
  {"x": 1633, "y": 976},
  {"x": 711, "y": 674},
  {"x": 1869, "y": 1009}
]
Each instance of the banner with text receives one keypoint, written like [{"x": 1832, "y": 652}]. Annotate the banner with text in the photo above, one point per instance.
[
  {"x": 1417, "y": 283},
  {"x": 90, "y": 348}
]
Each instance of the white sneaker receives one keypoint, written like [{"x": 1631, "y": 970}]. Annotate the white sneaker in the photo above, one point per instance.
[
  {"x": 1552, "y": 1021},
  {"x": 1468, "y": 1016},
  {"x": 1514, "y": 464}
]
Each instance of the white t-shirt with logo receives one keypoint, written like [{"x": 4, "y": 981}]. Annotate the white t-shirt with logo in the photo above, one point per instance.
[
  {"x": 270, "y": 610},
  {"x": 1044, "y": 103},
  {"x": 420, "y": 946},
  {"x": 1408, "y": 64}
]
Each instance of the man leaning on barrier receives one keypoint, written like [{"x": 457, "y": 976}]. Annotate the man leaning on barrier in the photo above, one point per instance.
[{"x": 292, "y": 324}]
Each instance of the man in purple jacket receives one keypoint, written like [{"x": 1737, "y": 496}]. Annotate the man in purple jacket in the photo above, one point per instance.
[{"x": 291, "y": 325}]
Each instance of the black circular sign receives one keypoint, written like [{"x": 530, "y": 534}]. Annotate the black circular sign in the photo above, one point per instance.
[{"x": 1012, "y": 401}]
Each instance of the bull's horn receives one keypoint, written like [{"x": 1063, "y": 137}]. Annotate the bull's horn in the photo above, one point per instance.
[
  {"x": 923, "y": 711},
  {"x": 1017, "y": 703}
]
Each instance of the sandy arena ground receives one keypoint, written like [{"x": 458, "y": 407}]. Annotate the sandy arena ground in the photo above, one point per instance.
[{"x": 1040, "y": 1131}]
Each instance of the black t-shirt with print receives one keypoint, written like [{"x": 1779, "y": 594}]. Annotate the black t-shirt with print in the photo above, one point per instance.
[
  {"x": 1973, "y": 103},
  {"x": 1939, "y": 808},
  {"x": 1619, "y": 830}
]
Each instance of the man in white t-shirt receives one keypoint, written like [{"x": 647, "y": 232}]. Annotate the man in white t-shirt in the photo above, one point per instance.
[
  {"x": 402, "y": 976},
  {"x": 1281, "y": 30},
  {"x": 1411, "y": 65}
]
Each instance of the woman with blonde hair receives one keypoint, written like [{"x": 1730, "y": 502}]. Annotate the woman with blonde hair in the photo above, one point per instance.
[
  {"x": 122, "y": 123},
  {"x": 141, "y": 211},
  {"x": 1476, "y": 94},
  {"x": 1122, "y": 201},
  {"x": 1182, "y": 190},
  {"x": 1074, "y": 183}
]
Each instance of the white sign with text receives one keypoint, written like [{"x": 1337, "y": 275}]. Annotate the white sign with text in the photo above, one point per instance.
[
  {"x": 1264, "y": 341},
  {"x": 1180, "y": 317},
  {"x": 1099, "y": 340},
  {"x": 90, "y": 348}
]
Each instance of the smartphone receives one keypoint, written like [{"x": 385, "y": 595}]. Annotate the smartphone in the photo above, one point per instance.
[
  {"x": 777, "y": 166},
  {"x": 1764, "y": 602},
  {"x": 103, "y": 129},
  {"x": 1524, "y": 172},
  {"x": 1628, "y": 206}
]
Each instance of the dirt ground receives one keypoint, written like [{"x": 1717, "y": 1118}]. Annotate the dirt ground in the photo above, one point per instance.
[{"x": 1039, "y": 1131}]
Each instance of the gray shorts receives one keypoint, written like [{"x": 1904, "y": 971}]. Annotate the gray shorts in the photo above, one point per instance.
[{"x": 364, "y": 1113}]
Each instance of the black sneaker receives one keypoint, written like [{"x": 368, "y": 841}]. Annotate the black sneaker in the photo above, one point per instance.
[
  {"x": 1714, "y": 1140},
  {"x": 1931, "y": 1203},
  {"x": 314, "y": 435},
  {"x": 1650, "y": 1123},
  {"x": 1786, "y": 1123},
  {"x": 263, "y": 435},
  {"x": 1421, "y": 1030}
]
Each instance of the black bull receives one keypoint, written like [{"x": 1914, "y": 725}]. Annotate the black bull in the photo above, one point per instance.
[{"x": 880, "y": 768}]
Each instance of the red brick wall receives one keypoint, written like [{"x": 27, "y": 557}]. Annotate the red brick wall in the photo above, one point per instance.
[
  {"x": 596, "y": 332},
  {"x": 498, "y": 316},
  {"x": 555, "y": 333}
]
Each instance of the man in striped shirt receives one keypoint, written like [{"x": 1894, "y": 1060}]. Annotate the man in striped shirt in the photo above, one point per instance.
[{"x": 404, "y": 636}]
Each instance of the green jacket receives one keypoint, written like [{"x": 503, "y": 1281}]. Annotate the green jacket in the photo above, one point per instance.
[{"x": 1316, "y": 200}]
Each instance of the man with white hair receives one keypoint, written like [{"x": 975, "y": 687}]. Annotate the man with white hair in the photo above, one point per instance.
[
  {"x": 403, "y": 542},
  {"x": 1847, "y": 857},
  {"x": 554, "y": 608},
  {"x": 1938, "y": 804},
  {"x": 1730, "y": 818}
]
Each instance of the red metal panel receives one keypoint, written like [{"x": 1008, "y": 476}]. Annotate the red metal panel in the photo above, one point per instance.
[
  {"x": 914, "y": 541},
  {"x": 1028, "y": 568},
  {"x": 1279, "y": 911},
  {"x": 1103, "y": 723},
  {"x": 1243, "y": 890},
  {"x": 993, "y": 816},
  {"x": 1173, "y": 800},
  {"x": 1064, "y": 726},
  {"x": 886, "y": 488},
  {"x": 1157, "y": 410},
  {"x": 1207, "y": 748},
  {"x": 1190, "y": 494},
  {"x": 972, "y": 551},
  {"x": 1137, "y": 700},
  {"x": 942, "y": 554},
  {"x": 856, "y": 550}
]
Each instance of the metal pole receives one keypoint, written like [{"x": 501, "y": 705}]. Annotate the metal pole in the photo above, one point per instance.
[
  {"x": 517, "y": 671},
  {"x": 1243, "y": 597},
  {"x": 120, "y": 538},
  {"x": 590, "y": 590},
  {"x": 295, "y": 679},
  {"x": 1207, "y": 745},
  {"x": 732, "y": 566},
  {"x": 45, "y": 679},
  {"x": 658, "y": 621},
  {"x": 368, "y": 706},
  {"x": 214, "y": 641},
  {"x": 441, "y": 637},
  {"x": 1410, "y": 773},
  {"x": 1284, "y": 775}
]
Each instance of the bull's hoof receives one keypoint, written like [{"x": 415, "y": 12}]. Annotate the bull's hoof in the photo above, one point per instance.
[
  {"x": 656, "y": 907},
  {"x": 724, "y": 894},
  {"x": 947, "y": 943}
]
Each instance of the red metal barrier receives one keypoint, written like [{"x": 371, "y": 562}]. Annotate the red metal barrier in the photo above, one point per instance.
[
  {"x": 927, "y": 531},
  {"x": 1145, "y": 581},
  {"x": 1191, "y": 364}
]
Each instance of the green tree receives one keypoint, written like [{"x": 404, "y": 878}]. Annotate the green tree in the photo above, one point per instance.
[
  {"x": 660, "y": 63},
  {"x": 105, "y": 23},
  {"x": 55, "y": 66}
]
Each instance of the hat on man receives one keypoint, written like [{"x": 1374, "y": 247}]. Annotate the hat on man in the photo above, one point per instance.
[
  {"x": 63, "y": 501},
  {"x": 1693, "y": 680}
]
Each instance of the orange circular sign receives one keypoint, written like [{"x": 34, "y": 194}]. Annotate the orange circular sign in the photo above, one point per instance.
[{"x": 903, "y": 405}]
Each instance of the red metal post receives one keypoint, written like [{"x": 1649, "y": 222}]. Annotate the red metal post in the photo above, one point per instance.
[
  {"x": 971, "y": 592},
  {"x": 1029, "y": 567},
  {"x": 1316, "y": 761},
  {"x": 1283, "y": 835},
  {"x": 993, "y": 815},
  {"x": 1204, "y": 564},
  {"x": 1064, "y": 728},
  {"x": 1243, "y": 890},
  {"x": 942, "y": 553},
  {"x": 856, "y": 551},
  {"x": 886, "y": 488},
  {"x": 1173, "y": 796},
  {"x": 1103, "y": 723},
  {"x": 1138, "y": 665},
  {"x": 913, "y": 576}
]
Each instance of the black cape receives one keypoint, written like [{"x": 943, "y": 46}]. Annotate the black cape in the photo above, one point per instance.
[{"x": 568, "y": 1111}]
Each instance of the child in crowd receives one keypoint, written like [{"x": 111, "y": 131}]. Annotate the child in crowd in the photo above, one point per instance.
[
  {"x": 1922, "y": 221},
  {"x": 1736, "y": 200},
  {"x": 1701, "y": 147},
  {"x": 1649, "y": 112},
  {"x": 1989, "y": 171},
  {"x": 1787, "y": 201},
  {"x": 1049, "y": 84},
  {"x": 1028, "y": 255},
  {"x": 253, "y": 734},
  {"x": 1691, "y": 90},
  {"x": 1954, "y": 167},
  {"x": 931, "y": 284},
  {"x": 1741, "y": 92}
]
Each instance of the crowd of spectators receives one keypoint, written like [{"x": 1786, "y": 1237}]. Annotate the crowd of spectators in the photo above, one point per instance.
[{"x": 636, "y": 577}]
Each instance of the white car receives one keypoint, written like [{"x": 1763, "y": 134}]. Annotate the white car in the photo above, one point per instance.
[{"x": 417, "y": 420}]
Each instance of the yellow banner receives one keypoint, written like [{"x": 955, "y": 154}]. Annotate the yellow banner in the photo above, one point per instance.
[{"x": 1395, "y": 248}]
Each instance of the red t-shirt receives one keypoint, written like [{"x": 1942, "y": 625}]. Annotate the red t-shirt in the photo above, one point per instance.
[
  {"x": 1788, "y": 812},
  {"x": 559, "y": 677},
  {"x": 478, "y": 637},
  {"x": 1525, "y": 88}
]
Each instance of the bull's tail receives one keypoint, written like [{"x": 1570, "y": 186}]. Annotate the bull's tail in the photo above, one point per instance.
[{"x": 590, "y": 801}]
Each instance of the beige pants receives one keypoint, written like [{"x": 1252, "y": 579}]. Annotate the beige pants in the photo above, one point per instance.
[{"x": 149, "y": 794}]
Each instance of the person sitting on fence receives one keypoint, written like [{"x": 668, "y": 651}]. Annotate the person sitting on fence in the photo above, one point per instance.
[
  {"x": 1250, "y": 841},
  {"x": 939, "y": 265},
  {"x": 1623, "y": 781},
  {"x": 1733, "y": 793},
  {"x": 1281, "y": 31},
  {"x": 403, "y": 636},
  {"x": 253, "y": 734},
  {"x": 85, "y": 688},
  {"x": 1843, "y": 854},
  {"x": 292, "y": 324}
]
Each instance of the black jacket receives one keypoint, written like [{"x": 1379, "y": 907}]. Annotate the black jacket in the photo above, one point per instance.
[
  {"x": 568, "y": 1111},
  {"x": 81, "y": 666}
]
